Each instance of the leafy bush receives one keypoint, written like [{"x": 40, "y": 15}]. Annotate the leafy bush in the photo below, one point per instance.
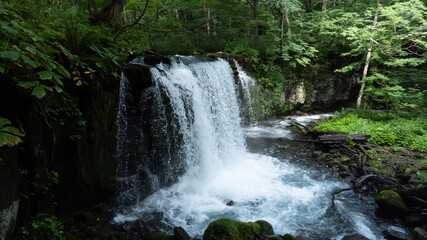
[
  {"x": 44, "y": 226},
  {"x": 399, "y": 131}
]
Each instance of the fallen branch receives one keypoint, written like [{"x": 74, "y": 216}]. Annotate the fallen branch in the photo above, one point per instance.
[
  {"x": 360, "y": 182},
  {"x": 301, "y": 127}
]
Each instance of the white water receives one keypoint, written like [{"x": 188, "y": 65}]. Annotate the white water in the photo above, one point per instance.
[
  {"x": 221, "y": 167},
  {"x": 247, "y": 84}
]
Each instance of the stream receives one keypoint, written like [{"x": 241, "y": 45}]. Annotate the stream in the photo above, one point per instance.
[{"x": 262, "y": 168}]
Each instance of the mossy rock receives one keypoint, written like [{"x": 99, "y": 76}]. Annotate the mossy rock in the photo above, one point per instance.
[
  {"x": 161, "y": 236},
  {"x": 289, "y": 237},
  {"x": 391, "y": 203},
  {"x": 266, "y": 228},
  {"x": 229, "y": 229}
]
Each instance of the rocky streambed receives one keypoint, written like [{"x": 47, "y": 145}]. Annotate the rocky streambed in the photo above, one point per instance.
[{"x": 311, "y": 176}]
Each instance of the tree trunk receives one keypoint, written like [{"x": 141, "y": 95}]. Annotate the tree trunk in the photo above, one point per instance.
[
  {"x": 208, "y": 17},
  {"x": 255, "y": 18},
  {"x": 307, "y": 5},
  {"x": 281, "y": 31},
  {"x": 366, "y": 68},
  {"x": 288, "y": 22},
  {"x": 254, "y": 7},
  {"x": 324, "y": 5}
]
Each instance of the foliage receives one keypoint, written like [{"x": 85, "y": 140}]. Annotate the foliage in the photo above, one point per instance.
[
  {"x": 398, "y": 131},
  {"x": 31, "y": 48},
  {"x": 9, "y": 135},
  {"x": 44, "y": 226}
]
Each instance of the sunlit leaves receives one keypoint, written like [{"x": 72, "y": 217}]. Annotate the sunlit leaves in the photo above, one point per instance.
[{"x": 9, "y": 135}]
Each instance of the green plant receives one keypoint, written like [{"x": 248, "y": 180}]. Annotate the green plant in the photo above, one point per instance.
[
  {"x": 30, "y": 49},
  {"x": 44, "y": 226},
  {"x": 398, "y": 132},
  {"x": 9, "y": 135}
]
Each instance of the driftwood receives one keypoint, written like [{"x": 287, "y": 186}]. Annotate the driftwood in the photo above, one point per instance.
[
  {"x": 335, "y": 139},
  {"x": 301, "y": 127},
  {"x": 360, "y": 182}
]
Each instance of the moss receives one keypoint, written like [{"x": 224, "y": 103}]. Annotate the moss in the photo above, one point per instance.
[
  {"x": 229, "y": 229},
  {"x": 266, "y": 228},
  {"x": 161, "y": 236},
  {"x": 389, "y": 200},
  {"x": 289, "y": 237}
]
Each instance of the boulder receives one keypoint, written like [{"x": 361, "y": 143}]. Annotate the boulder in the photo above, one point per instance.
[
  {"x": 266, "y": 228},
  {"x": 421, "y": 233},
  {"x": 396, "y": 232},
  {"x": 289, "y": 237},
  {"x": 390, "y": 203},
  {"x": 415, "y": 219},
  {"x": 229, "y": 229},
  {"x": 139, "y": 76},
  {"x": 355, "y": 236},
  {"x": 181, "y": 234}
]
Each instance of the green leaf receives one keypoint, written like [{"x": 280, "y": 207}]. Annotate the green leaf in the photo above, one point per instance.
[
  {"x": 9, "y": 29},
  {"x": 38, "y": 92},
  {"x": 12, "y": 130},
  {"x": 28, "y": 61},
  {"x": 31, "y": 49},
  {"x": 58, "y": 89},
  {"x": 45, "y": 75},
  {"x": 1, "y": 68},
  {"x": 10, "y": 54},
  {"x": 9, "y": 135},
  {"x": 4, "y": 121},
  {"x": 61, "y": 70},
  {"x": 27, "y": 85},
  {"x": 8, "y": 139},
  {"x": 57, "y": 79}
]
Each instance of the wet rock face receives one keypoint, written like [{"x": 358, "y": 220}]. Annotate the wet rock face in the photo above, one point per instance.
[{"x": 138, "y": 75}]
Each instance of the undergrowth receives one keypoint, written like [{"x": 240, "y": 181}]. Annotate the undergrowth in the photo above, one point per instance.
[{"x": 404, "y": 130}]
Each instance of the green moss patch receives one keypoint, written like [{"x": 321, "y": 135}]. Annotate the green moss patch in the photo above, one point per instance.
[
  {"x": 229, "y": 229},
  {"x": 390, "y": 201}
]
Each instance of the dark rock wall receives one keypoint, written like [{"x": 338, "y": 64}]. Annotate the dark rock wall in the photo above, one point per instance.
[{"x": 85, "y": 165}]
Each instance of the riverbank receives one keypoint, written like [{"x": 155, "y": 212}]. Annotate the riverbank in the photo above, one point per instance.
[
  {"x": 391, "y": 172},
  {"x": 275, "y": 138}
]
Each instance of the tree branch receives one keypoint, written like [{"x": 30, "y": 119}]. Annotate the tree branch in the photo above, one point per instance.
[{"x": 132, "y": 24}]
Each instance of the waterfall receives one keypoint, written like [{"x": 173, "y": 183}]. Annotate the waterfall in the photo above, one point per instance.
[
  {"x": 186, "y": 121},
  {"x": 182, "y": 154},
  {"x": 247, "y": 85}
]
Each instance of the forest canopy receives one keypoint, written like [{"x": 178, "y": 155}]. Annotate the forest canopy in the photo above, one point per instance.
[{"x": 383, "y": 43}]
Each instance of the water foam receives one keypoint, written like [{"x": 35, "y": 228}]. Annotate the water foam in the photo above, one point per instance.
[{"x": 219, "y": 167}]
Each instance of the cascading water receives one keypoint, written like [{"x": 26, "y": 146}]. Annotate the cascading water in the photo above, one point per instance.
[
  {"x": 247, "y": 85},
  {"x": 182, "y": 144}
]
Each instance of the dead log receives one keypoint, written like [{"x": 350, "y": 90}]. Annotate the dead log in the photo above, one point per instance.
[{"x": 335, "y": 139}]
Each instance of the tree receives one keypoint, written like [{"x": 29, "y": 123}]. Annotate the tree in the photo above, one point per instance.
[
  {"x": 397, "y": 38},
  {"x": 368, "y": 59}
]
